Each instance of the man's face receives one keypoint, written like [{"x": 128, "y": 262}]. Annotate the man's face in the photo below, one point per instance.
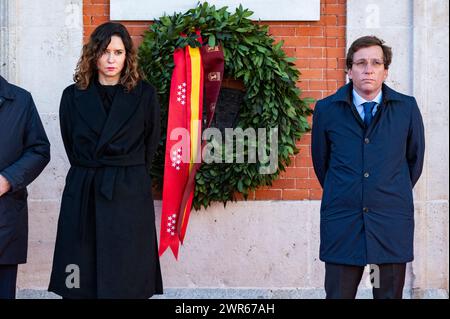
[{"x": 368, "y": 72}]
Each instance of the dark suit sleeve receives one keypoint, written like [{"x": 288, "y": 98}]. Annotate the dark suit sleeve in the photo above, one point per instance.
[
  {"x": 415, "y": 148},
  {"x": 320, "y": 149},
  {"x": 35, "y": 155},
  {"x": 153, "y": 129},
  {"x": 65, "y": 121}
]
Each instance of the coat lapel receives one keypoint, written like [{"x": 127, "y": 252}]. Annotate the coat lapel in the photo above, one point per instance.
[
  {"x": 344, "y": 94},
  {"x": 122, "y": 108},
  {"x": 389, "y": 95},
  {"x": 89, "y": 106}
]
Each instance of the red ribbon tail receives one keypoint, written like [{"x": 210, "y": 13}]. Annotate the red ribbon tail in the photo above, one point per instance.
[
  {"x": 174, "y": 245},
  {"x": 184, "y": 225}
]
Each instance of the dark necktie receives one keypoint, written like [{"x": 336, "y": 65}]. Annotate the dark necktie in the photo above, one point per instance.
[{"x": 368, "y": 107}]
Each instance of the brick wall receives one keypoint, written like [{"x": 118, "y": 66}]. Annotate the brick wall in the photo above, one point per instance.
[{"x": 319, "y": 47}]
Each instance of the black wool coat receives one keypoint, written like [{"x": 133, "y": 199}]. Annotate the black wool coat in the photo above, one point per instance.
[{"x": 106, "y": 229}]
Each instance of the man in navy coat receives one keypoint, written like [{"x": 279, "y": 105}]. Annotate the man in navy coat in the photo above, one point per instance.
[
  {"x": 24, "y": 152},
  {"x": 368, "y": 150}
]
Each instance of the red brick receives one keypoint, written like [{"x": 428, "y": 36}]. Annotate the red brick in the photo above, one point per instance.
[
  {"x": 284, "y": 183},
  {"x": 296, "y": 41},
  {"x": 95, "y": 9},
  {"x": 335, "y": 32},
  {"x": 312, "y": 174},
  {"x": 341, "y": 83},
  {"x": 317, "y": 95},
  {"x": 309, "y": 53},
  {"x": 239, "y": 197},
  {"x": 273, "y": 194},
  {"x": 302, "y": 63},
  {"x": 327, "y": 20},
  {"x": 303, "y": 84},
  {"x": 328, "y": 93},
  {"x": 304, "y": 150},
  {"x": 88, "y": 30},
  {"x": 341, "y": 42},
  {"x": 312, "y": 74},
  {"x": 318, "y": 42},
  {"x": 278, "y": 23},
  {"x": 318, "y": 63},
  {"x": 298, "y": 194},
  {"x": 342, "y": 20},
  {"x": 332, "y": 63},
  {"x": 309, "y": 31},
  {"x": 314, "y": 183},
  {"x": 87, "y": 20},
  {"x": 334, "y": 9},
  {"x": 335, "y": 52},
  {"x": 282, "y": 31},
  {"x": 97, "y": 20},
  {"x": 326, "y": 85},
  {"x": 315, "y": 194},
  {"x": 307, "y": 183},
  {"x": 331, "y": 42},
  {"x": 303, "y": 161},
  {"x": 305, "y": 139},
  {"x": 289, "y": 51},
  {"x": 334, "y": 74},
  {"x": 342, "y": 63},
  {"x": 137, "y": 40},
  {"x": 317, "y": 85},
  {"x": 136, "y": 30},
  {"x": 295, "y": 172}
]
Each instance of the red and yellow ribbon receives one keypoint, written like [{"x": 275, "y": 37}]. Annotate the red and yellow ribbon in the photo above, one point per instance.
[{"x": 183, "y": 143}]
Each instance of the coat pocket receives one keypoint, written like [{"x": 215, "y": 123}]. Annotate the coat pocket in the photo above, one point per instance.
[
  {"x": 16, "y": 201},
  {"x": 13, "y": 208}
]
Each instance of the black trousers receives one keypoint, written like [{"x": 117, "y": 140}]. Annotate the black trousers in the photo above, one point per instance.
[
  {"x": 341, "y": 281},
  {"x": 8, "y": 278}
]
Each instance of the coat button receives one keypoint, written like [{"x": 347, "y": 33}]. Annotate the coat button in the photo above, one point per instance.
[
  {"x": 366, "y": 141},
  {"x": 366, "y": 174},
  {"x": 365, "y": 210}
]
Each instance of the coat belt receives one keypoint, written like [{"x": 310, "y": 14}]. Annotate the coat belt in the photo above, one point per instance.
[{"x": 106, "y": 186}]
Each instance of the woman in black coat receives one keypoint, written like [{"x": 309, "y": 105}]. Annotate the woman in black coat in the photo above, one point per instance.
[{"x": 106, "y": 244}]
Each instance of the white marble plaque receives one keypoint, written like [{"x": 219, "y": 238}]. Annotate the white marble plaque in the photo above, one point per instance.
[{"x": 267, "y": 10}]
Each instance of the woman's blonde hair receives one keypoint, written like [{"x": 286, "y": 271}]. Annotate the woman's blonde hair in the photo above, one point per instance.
[{"x": 99, "y": 40}]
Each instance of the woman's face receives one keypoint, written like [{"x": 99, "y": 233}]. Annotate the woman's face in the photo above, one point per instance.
[{"x": 111, "y": 62}]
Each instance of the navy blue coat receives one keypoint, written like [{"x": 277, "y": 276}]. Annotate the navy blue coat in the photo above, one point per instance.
[
  {"x": 367, "y": 175},
  {"x": 24, "y": 152}
]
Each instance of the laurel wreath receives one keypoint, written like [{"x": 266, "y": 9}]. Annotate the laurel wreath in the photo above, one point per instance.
[{"x": 271, "y": 99}]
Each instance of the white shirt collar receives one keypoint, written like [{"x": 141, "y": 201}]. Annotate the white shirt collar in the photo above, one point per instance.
[{"x": 358, "y": 100}]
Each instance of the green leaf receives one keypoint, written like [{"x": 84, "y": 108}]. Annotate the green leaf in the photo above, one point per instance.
[
  {"x": 240, "y": 186},
  {"x": 212, "y": 40}
]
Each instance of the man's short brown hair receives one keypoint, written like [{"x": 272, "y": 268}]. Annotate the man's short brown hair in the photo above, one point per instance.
[{"x": 365, "y": 42}]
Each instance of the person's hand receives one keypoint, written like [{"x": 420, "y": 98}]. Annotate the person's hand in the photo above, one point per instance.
[{"x": 5, "y": 186}]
